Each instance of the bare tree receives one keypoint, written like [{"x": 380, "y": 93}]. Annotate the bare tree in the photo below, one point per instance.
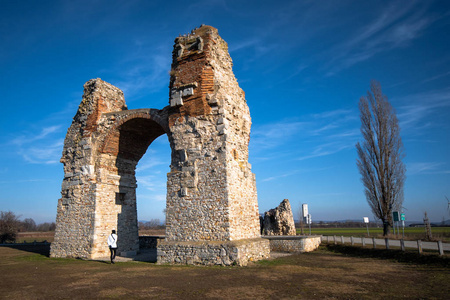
[
  {"x": 380, "y": 156},
  {"x": 28, "y": 225},
  {"x": 9, "y": 226}
]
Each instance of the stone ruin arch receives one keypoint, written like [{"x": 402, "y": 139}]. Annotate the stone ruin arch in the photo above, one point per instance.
[{"x": 211, "y": 211}]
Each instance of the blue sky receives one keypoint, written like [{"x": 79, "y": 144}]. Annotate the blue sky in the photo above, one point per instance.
[{"x": 302, "y": 64}]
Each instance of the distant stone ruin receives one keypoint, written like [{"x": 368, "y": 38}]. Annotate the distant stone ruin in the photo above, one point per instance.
[
  {"x": 278, "y": 221},
  {"x": 212, "y": 208}
]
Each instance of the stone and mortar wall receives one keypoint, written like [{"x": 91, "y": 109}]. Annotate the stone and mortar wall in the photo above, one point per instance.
[
  {"x": 294, "y": 244},
  {"x": 211, "y": 190},
  {"x": 99, "y": 186},
  {"x": 213, "y": 252},
  {"x": 149, "y": 241},
  {"x": 77, "y": 212}
]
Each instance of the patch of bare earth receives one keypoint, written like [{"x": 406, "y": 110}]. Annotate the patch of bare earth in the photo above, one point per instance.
[{"x": 317, "y": 275}]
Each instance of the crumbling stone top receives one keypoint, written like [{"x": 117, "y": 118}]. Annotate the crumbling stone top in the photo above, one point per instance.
[{"x": 279, "y": 220}]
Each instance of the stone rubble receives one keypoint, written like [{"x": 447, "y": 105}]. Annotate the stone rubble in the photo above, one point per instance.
[{"x": 279, "y": 221}]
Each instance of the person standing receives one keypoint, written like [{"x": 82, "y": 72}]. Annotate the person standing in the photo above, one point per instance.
[{"x": 112, "y": 243}]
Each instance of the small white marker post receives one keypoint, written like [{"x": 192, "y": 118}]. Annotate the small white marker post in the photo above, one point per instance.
[
  {"x": 309, "y": 221},
  {"x": 304, "y": 215},
  {"x": 402, "y": 217},
  {"x": 366, "y": 220}
]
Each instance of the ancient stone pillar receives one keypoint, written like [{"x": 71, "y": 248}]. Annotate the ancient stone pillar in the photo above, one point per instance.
[
  {"x": 78, "y": 210},
  {"x": 212, "y": 210},
  {"x": 101, "y": 150}
]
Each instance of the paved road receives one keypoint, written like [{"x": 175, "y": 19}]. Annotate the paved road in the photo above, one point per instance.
[{"x": 392, "y": 243}]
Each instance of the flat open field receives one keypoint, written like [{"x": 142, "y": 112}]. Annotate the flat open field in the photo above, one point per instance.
[
  {"x": 411, "y": 233},
  {"x": 323, "y": 274},
  {"x": 35, "y": 236}
]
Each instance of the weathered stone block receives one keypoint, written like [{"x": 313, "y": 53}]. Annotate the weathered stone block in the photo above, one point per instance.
[{"x": 279, "y": 221}]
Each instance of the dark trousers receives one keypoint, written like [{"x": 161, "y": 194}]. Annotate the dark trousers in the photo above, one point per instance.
[{"x": 113, "y": 253}]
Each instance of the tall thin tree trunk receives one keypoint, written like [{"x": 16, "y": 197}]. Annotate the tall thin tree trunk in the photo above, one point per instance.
[{"x": 386, "y": 228}]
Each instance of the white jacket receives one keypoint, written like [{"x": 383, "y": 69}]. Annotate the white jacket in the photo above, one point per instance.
[{"x": 112, "y": 240}]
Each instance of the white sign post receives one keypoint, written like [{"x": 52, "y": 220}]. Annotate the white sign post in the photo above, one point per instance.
[
  {"x": 309, "y": 221},
  {"x": 304, "y": 210},
  {"x": 402, "y": 217},
  {"x": 366, "y": 220},
  {"x": 304, "y": 215}
]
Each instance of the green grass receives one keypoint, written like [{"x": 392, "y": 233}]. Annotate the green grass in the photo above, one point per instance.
[{"x": 30, "y": 240}]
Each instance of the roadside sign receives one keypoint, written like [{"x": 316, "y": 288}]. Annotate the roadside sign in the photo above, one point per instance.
[
  {"x": 309, "y": 221},
  {"x": 395, "y": 214},
  {"x": 366, "y": 220},
  {"x": 305, "y": 210},
  {"x": 402, "y": 217}
]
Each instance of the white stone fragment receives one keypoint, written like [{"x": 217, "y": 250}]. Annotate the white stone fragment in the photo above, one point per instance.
[
  {"x": 176, "y": 99},
  {"x": 87, "y": 170},
  {"x": 188, "y": 91}
]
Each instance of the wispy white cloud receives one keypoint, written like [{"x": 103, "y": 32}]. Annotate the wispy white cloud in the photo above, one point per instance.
[
  {"x": 396, "y": 26},
  {"x": 416, "y": 168},
  {"x": 327, "y": 149},
  {"x": 279, "y": 176},
  {"x": 439, "y": 76},
  {"x": 23, "y": 180},
  {"x": 295, "y": 172},
  {"x": 275, "y": 134},
  {"x": 152, "y": 182},
  {"x": 152, "y": 197},
  {"x": 316, "y": 135},
  {"x": 30, "y": 138},
  {"x": 44, "y": 147},
  {"x": 419, "y": 108},
  {"x": 150, "y": 164},
  {"x": 43, "y": 154},
  {"x": 244, "y": 44},
  {"x": 144, "y": 72}
]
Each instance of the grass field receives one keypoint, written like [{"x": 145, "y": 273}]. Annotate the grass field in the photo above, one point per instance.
[
  {"x": 411, "y": 233},
  {"x": 35, "y": 236},
  {"x": 327, "y": 273}
]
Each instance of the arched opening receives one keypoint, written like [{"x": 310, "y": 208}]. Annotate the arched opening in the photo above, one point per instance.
[
  {"x": 151, "y": 191},
  {"x": 122, "y": 150}
]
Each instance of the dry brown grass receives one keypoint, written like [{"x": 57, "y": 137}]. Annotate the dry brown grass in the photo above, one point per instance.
[
  {"x": 158, "y": 232},
  {"x": 35, "y": 236},
  {"x": 322, "y": 274}
]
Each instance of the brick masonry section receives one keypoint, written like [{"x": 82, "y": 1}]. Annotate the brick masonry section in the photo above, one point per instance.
[{"x": 211, "y": 191}]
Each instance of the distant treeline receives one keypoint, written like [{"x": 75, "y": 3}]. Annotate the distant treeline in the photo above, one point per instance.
[
  {"x": 10, "y": 225},
  {"x": 30, "y": 225},
  {"x": 359, "y": 224},
  {"x": 339, "y": 224},
  {"x": 152, "y": 224}
]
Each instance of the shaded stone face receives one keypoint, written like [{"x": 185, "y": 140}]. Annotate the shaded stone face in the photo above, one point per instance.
[
  {"x": 211, "y": 192},
  {"x": 279, "y": 221}
]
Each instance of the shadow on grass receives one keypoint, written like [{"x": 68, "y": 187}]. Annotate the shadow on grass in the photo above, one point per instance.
[
  {"x": 398, "y": 255},
  {"x": 42, "y": 249}
]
